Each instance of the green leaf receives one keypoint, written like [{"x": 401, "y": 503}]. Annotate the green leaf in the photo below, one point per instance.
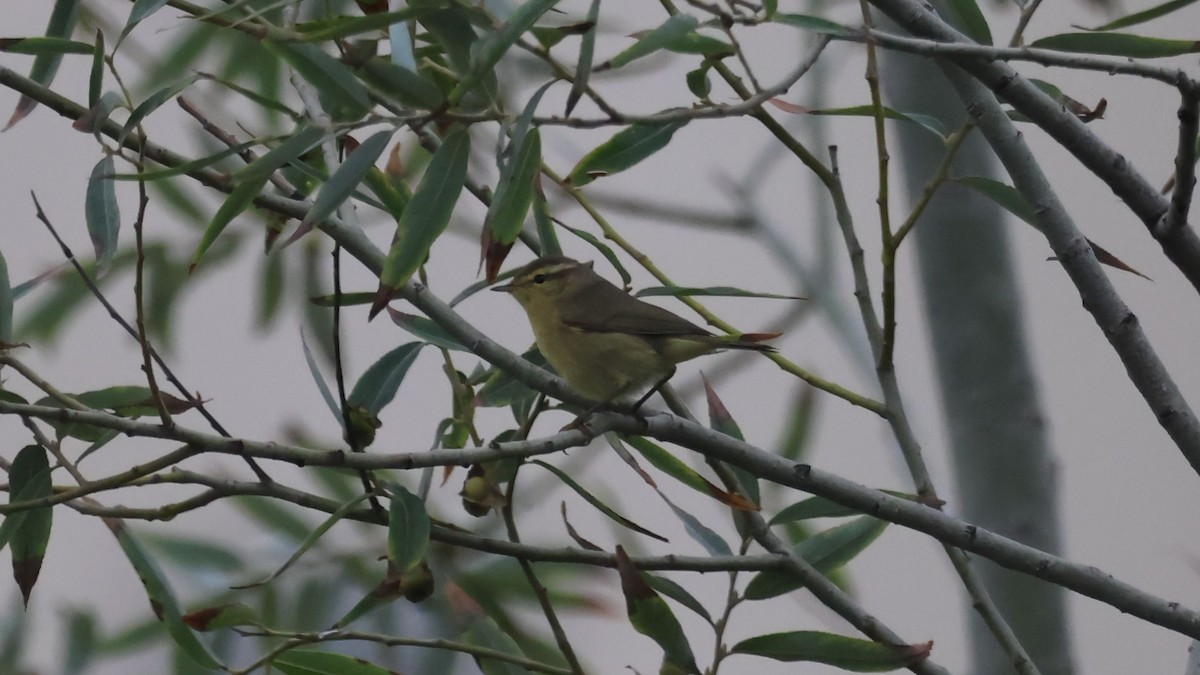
[
  {"x": 428, "y": 213},
  {"x": 315, "y": 371},
  {"x": 503, "y": 389},
  {"x": 102, "y": 213},
  {"x": 141, "y": 9},
  {"x": 698, "y": 82},
  {"x": 306, "y": 662},
  {"x": 310, "y": 540},
  {"x": 251, "y": 180},
  {"x": 674, "y": 467},
  {"x": 45, "y": 65},
  {"x": 1142, "y": 16},
  {"x": 816, "y": 24},
  {"x": 583, "y": 68},
  {"x": 650, "y": 616},
  {"x": 859, "y": 656},
  {"x": 677, "y": 593},
  {"x": 701, "y": 45},
  {"x": 711, "y": 291},
  {"x": 162, "y": 599},
  {"x": 514, "y": 192},
  {"x": 721, "y": 420},
  {"x": 222, "y": 616},
  {"x": 195, "y": 553},
  {"x": 44, "y": 45},
  {"x": 1006, "y": 196},
  {"x": 6, "y": 303},
  {"x": 408, "y": 529},
  {"x": 826, "y": 551},
  {"x": 669, "y": 32},
  {"x": 595, "y": 501},
  {"x": 426, "y": 329},
  {"x": 377, "y": 386},
  {"x": 625, "y": 149},
  {"x": 971, "y": 20},
  {"x": 28, "y": 531},
  {"x": 346, "y": 179},
  {"x": 341, "y": 27},
  {"x": 926, "y": 122},
  {"x": 820, "y": 507},
  {"x": 154, "y": 102},
  {"x": 544, "y": 222},
  {"x": 341, "y": 94},
  {"x": 700, "y": 533},
  {"x": 486, "y": 52},
  {"x": 1117, "y": 44},
  {"x": 408, "y": 87},
  {"x": 483, "y": 632}
]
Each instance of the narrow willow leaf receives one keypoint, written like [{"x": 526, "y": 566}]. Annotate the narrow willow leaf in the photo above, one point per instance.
[
  {"x": 378, "y": 384},
  {"x": 221, "y": 616},
  {"x": 251, "y": 180},
  {"x": 504, "y": 389},
  {"x": 7, "y": 297},
  {"x": 852, "y": 654},
  {"x": 486, "y": 52},
  {"x": 544, "y": 222},
  {"x": 341, "y": 94},
  {"x": 141, "y": 9},
  {"x": 1142, "y": 16},
  {"x": 310, "y": 540},
  {"x": 45, "y": 65},
  {"x": 514, "y": 192},
  {"x": 670, "y": 31},
  {"x": 711, "y": 291},
  {"x": 342, "y": 27},
  {"x": 674, "y": 467},
  {"x": 701, "y": 45},
  {"x": 815, "y": 24},
  {"x": 44, "y": 45},
  {"x": 972, "y": 21},
  {"x": 1117, "y": 44},
  {"x": 926, "y": 122},
  {"x": 428, "y": 213},
  {"x": 721, "y": 420},
  {"x": 650, "y": 616},
  {"x": 406, "y": 86},
  {"x": 595, "y": 501},
  {"x": 583, "y": 67},
  {"x": 820, "y": 507},
  {"x": 306, "y": 662},
  {"x": 677, "y": 593},
  {"x": 96, "y": 78},
  {"x": 605, "y": 250},
  {"x": 102, "y": 213},
  {"x": 625, "y": 149},
  {"x": 408, "y": 529},
  {"x": 162, "y": 599},
  {"x": 154, "y": 102},
  {"x": 700, "y": 533},
  {"x": 188, "y": 167},
  {"x": 347, "y": 178},
  {"x": 1006, "y": 196},
  {"x": 826, "y": 551},
  {"x": 28, "y": 531},
  {"x": 426, "y": 329},
  {"x": 483, "y": 632},
  {"x": 315, "y": 371}
]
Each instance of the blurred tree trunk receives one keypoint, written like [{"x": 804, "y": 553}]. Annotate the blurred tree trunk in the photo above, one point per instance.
[{"x": 1004, "y": 471}]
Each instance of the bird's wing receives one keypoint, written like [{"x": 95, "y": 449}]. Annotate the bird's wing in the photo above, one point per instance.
[{"x": 614, "y": 310}]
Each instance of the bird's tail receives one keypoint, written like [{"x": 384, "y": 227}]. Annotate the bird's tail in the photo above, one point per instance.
[{"x": 752, "y": 341}]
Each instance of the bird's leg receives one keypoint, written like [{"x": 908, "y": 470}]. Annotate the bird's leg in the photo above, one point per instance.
[{"x": 653, "y": 390}]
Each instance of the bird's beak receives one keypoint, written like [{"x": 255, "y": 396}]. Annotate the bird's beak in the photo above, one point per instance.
[{"x": 506, "y": 288}]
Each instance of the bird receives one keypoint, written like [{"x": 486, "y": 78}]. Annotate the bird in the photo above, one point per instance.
[{"x": 604, "y": 342}]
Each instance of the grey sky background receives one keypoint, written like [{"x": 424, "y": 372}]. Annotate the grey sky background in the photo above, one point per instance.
[{"x": 1128, "y": 495}]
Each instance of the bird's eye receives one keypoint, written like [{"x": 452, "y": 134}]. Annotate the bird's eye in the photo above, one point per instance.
[{"x": 539, "y": 279}]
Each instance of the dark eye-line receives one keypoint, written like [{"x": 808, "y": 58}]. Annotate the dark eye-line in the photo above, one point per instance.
[{"x": 539, "y": 279}]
